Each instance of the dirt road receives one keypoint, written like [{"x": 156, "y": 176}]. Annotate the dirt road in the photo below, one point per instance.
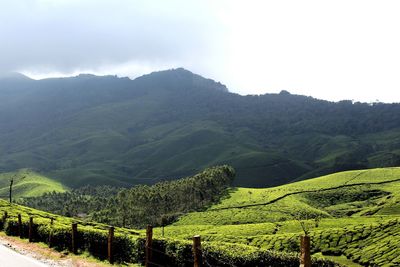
[{"x": 10, "y": 258}]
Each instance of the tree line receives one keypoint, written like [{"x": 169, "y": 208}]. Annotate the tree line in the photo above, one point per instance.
[{"x": 157, "y": 204}]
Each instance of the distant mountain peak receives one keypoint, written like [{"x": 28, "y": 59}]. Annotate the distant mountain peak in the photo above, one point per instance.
[
  {"x": 181, "y": 70},
  {"x": 86, "y": 75},
  {"x": 284, "y": 92},
  {"x": 89, "y": 76},
  {"x": 181, "y": 76},
  {"x": 173, "y": 71},
  {"x": 13, "y": 76}
]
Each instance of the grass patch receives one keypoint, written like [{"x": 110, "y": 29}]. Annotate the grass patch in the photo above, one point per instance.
[{"x": 28, "y": 183}]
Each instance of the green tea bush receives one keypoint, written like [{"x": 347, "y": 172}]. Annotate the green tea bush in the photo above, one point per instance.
[
  {"x": 168, "y": 252},
  {"x": 128, "y": 248},
  {"x": 94, "y": 241}
]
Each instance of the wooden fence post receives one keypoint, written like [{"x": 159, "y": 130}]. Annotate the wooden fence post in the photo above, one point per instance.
[
  {"x": 149, "y": 245},
  {"x": 19, "y": 226},
  {"x": 74, "y": 238},
  {"x": 30, "y": 229},
  {"x": 197, "y": 253},
  {"x": 305, "y": 254},
  {"x": 110, "y": 244}
]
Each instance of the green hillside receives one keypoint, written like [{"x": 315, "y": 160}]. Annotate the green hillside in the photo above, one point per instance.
[
  {"x": 352, "y": 217},
  {"x": 355, "y": 214},
  {"x": 129, "y": 245},
  {"x": 170, "y": 124},
  {"x": 354, "y": 193},
  {"x": 28, "y": 183}
]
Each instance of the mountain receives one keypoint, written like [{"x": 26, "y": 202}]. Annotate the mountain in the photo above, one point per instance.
[
  {"x": 13, "y": 76},
  {"x": 169, "y": 124}
]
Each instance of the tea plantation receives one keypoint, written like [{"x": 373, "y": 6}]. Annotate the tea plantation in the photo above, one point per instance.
[
  {"x": 352, "y": 218},
  {"x": 353, "y": 214},
  {"x": 129, "y": 245}
]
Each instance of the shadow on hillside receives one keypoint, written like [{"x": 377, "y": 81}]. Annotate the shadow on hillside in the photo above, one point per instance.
[{"x": 225, "y": 195}]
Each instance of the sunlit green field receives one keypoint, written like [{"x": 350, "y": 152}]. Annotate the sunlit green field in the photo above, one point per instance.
[
  {"x": 352, "y": 217},
  {"x": 353, "y": 214},
  {"x": 352, "y": 193},
  {"x": 28, "y": 183}
]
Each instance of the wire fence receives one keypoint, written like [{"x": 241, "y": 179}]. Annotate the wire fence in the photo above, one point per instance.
[{"x": 156, "y": 253}]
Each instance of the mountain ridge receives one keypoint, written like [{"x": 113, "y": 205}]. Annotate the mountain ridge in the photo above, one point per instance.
[{"x": 170, "y": 124}]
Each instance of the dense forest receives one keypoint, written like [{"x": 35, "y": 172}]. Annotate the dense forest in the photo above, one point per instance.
[
  {"x": 171, "y": 124},
  {"x": 158, "y": 204}
]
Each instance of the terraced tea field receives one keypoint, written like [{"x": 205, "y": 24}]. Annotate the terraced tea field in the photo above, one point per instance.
[
  {"x": 352, "y": 218},
  {"x": 128, "y": 244},
  {"x": 353, "y": 214}
]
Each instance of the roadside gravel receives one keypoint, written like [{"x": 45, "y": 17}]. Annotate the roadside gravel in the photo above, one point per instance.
[{"x": 44, "y": 255}]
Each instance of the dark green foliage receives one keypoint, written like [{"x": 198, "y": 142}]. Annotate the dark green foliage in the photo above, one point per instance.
[
  {"x": 179, "y": 253},
  {"x": 165, "y": 201},
  {"x": 60, "y": 236},
  {"x": 344, "y": 195},
  {"x": 369, "y": 245},
  {"x": 91, "y": 240},
  {"x": 107, "y": 130},
  {"x": 168, "y": 252},
  {"x": 159, "y": 204},
  {"x": 225, "y": 254},
  {"x": 75, "y": 203}
]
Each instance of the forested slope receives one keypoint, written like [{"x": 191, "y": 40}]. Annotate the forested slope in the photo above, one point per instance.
[{"x": 170, "y": 124}]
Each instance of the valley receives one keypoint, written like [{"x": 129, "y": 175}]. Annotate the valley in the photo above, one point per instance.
[
  {"x": 350, "y": 216},
  {"x": 199, "y": 133},
  {"x": 180, "y": 152}
]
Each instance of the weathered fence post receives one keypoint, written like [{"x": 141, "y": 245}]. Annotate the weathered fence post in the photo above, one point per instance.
[
  {"x": 197, "y": 253},
  {"x": 19, "y": 226},
  {"x": 110, "y": 244},
  {"x": 305, "y": 254},
  {"x": 74, "y": 238},
  {"x": 30, "y": 229},
  {"x": 149, "y": 245}
]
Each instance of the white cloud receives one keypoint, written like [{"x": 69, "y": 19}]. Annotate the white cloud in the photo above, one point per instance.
[{"x": 328, "y": 49}]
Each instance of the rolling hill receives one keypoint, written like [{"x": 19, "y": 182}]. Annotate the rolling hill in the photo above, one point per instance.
[
  {"x": 352, "y": 217},
  {"x": 28, "y": 184},
  {"x": 349, "y": 215},
  {"x": 344, "y": 194},
  {"x": 169, "y": 124},
  {"x": 92, "y": 239}
]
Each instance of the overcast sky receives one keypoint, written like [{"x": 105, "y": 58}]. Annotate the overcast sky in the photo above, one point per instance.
[{"x": 331, "y": 50}]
